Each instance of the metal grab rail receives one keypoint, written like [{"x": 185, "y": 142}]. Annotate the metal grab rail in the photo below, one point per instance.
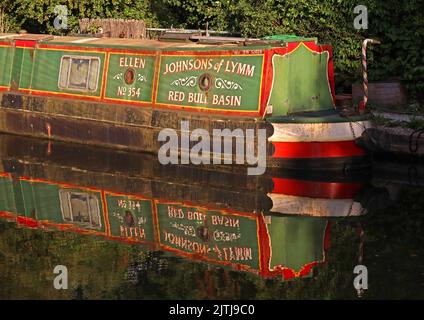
[{"x": 363, "y": 103}]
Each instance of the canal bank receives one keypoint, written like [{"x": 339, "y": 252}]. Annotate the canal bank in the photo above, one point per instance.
[{"x": 397, "y": 133}]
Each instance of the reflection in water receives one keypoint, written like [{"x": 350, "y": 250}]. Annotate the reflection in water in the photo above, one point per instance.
[{"x": 167, "y": 224}]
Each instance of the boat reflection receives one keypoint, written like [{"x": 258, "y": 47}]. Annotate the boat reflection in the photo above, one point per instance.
[{"x": 270, "y": 226}]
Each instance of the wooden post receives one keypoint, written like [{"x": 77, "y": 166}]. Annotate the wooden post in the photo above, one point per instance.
[{"x": 114, "y": 28}]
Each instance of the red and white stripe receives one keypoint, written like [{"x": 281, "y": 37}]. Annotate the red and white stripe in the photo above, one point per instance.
[
  {"x": 314, "y": 198},
  {"x": 318, "y": 140},
  {"x": 316, "y": 207}
]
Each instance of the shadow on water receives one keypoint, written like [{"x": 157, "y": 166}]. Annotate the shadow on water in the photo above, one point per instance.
[{"x": 127, "y": 227}]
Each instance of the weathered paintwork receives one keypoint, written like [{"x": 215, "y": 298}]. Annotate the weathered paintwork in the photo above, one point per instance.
[
  {"x": 241, "y": 81},
  {"x": 130, "y": 217},
  {"x": 7, "y": 201}
]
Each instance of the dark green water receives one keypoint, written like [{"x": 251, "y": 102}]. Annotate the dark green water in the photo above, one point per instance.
[{"x": 391, "y": 246}]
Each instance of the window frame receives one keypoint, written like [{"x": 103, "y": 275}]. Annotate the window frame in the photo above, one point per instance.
[
  {"x": 88, "y": 197},
  {"x": 76, "y": 57}
]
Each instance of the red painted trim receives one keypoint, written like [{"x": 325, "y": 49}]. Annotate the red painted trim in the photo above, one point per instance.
[
  {"x": 28, "y": 222},
  {"x": 8, "y": 215},
  {"x": 331, "y": 70},
  {"x": 113, "y": 101},
  {"x": 25, "y": 43},
  {"x": 156, "y": 75},
  {"x": 252, "y": 216},
  {"x": 311, "y": 150},
  {"x": 264, "y": 246},
  {"x": 6, "y": 174},
  {"x": 327, "y": 236},
  {"x": 208, "y": 111},
  {"x": 104, "y": 76},
  {"x": 266, "y": 81},
  {"x": 60, "y": 95},
  {"x": 232, "y": 52},
  {"x": 316, "y": 189},
  {"x": 162, "y": 50},
  {"x": 76, "y": 48},
  {"x": 310, "y": 44}
]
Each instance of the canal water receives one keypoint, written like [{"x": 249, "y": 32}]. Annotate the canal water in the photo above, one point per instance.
[{"x": 121, "y": 226}]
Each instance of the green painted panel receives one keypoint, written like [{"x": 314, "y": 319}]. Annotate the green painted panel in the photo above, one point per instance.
[
  {"x": 16, "y": 67},
  {"x": 63, "y": 205},
  {"x": 6, "y": 57},
  {"x": 130, "y": 77},
  {"x": 130, "y": 217},
  {"x": 7, "y": 199},
  {"x": 47, "y": 66},
  {"x": 41, "y": 201},
  {"x": 235, "y": 81},
  {"x": 296, "y": 241},
  {"x": 211, "y": 234},
  {"x": 26, "y": 69},
  {"x": 300, "y": 82}
]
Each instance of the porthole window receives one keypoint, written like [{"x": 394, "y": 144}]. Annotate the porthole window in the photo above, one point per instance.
[
  {"x": 129, "y": 76},
  {"x": 79, "y": 73},
  {"x": 205, "y": 82}
]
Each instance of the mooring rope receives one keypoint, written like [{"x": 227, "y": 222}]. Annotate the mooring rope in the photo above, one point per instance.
[
  {"x": 361, "y": 233},
  {"x": 417, "y": 132}
]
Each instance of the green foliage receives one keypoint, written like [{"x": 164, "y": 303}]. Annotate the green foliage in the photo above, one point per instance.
[
  {"x": 400, "y": 26},
  {"x": 8, "y": 22},
  {"x": 37, "y": 16}
]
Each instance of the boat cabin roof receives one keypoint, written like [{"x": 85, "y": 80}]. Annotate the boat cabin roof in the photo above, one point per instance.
[{"x": 182, "y": 41}]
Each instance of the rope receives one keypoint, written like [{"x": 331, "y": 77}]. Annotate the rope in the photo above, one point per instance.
[
  {"x": 361, "y": 234},
  {"x": 419, "y": 132},
  {"x": 413, "y": 175}
]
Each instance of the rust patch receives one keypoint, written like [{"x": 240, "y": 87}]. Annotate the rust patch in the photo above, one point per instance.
[
  {"x": 13, "y": 85},
  {"x": 12, "y": 101}
]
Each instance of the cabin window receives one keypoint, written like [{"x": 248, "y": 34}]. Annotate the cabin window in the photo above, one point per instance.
[
  {"x": 79, "y": 73},
  {"x": 80, "y": 208}
]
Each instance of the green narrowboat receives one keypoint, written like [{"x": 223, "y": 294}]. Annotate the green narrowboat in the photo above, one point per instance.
[{"x": 121, "y": 93}]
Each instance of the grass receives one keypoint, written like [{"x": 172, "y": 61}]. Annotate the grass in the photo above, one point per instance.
[
  {"x": 412, "y": 108},
  {"x": 384, "y": 122},
  {"x": 415, "y": 124}
]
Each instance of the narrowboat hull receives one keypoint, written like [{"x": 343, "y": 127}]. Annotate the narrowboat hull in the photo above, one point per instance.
[
  {"x": 312, "y": 146},
  {"x": 122, "y": 95}
]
